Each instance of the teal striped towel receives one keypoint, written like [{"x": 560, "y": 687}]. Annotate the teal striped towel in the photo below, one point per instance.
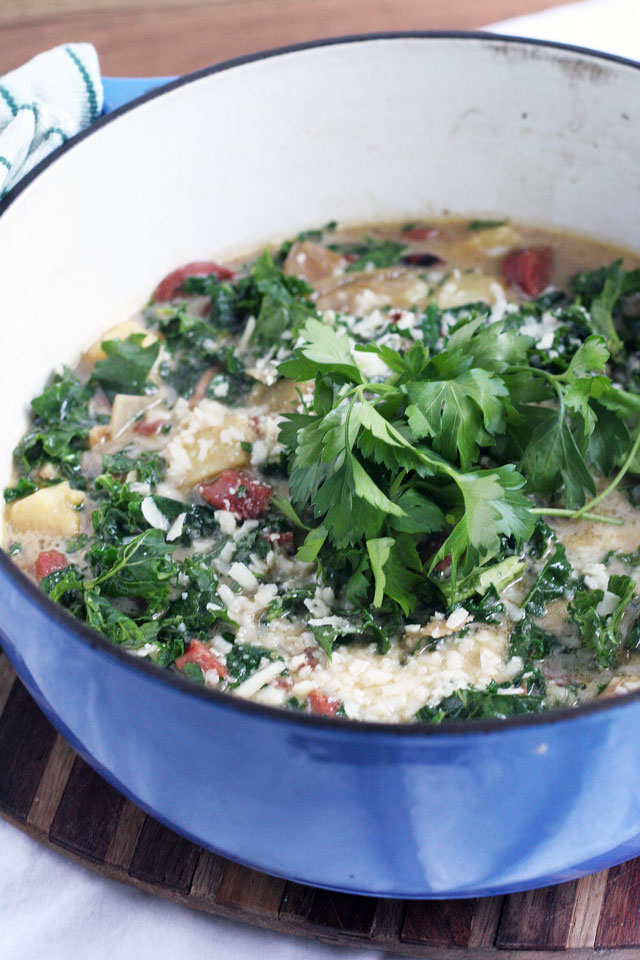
[{"x": 43, "y": 103}]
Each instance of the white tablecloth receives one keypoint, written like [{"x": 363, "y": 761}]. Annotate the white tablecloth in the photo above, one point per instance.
[{"x": 51, "y": 909}]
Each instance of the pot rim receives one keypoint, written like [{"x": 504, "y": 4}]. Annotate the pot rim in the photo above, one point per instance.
[{"x": 225, "y": 700}]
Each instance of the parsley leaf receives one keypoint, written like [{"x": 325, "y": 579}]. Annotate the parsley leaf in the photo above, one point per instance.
[
  {"x": 459, "y": 414},
  {"x": 325, "y": 350},
  {"x": 602, "y": 291},
  {"x": 552, "y": 457}
]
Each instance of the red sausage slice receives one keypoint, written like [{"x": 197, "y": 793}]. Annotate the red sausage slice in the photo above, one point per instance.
[
  {"x": 205, "y": 658},
  {"x": 147, "y": 428},
  {"x": 528, "y": 269},
  {"x": 170, "y": 287},
  {"x": 421, "y": 233},
  {"x": 48, "y": 561},
  {"x": 322, "y": 704},
  {"x": 235, "y": 491}
]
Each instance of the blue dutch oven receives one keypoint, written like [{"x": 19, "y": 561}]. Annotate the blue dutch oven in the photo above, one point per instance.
[{"x": 359, "y": 129}]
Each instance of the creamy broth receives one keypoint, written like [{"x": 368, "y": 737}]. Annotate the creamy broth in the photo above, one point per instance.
[{"x": 151, "y": 496}]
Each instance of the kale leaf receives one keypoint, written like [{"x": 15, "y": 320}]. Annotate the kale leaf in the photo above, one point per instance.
[
  {"x": 23, "y": 488},
  {"x": 487, "y": 704},
  {"x": 126, "y": 366},
  {"x": 529, "y": 641},
  {"x": 383, "y": 253},
  {"x": 244, "y": 659},
  {"x": 550, "y": 584},
  {"x": 60, "y": 428},
  {"x": 140, "y": 568},
  {"x": 601, "y": 632}
]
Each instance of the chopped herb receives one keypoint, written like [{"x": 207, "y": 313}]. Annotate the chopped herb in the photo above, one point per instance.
[
  {"x": 294, "y": 704},
  {"x": 119, "y": 628},
  {"x": 315, "y": 236},
  {"x": 477, "y": 225},
  {"x": 141, "y": 568},
  {"x": 540, "y": 542},
  {"x": 430, "y": 325}
]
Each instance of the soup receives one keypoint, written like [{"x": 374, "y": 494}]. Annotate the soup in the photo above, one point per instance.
[{"x": 387, "y": 473}]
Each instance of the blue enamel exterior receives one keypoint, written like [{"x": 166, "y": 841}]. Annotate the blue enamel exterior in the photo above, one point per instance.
[
  {"x": 366, "y": 808},
  {"x": 120, "y": 90},
  {"x": 405, "y": 811}
]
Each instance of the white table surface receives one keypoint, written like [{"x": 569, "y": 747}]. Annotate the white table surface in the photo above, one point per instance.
[{"x": 52, "y": 909}]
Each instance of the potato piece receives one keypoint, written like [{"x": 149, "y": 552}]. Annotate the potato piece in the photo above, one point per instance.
[
  {"x": 495, "y": 241},
  {"x": 49, "y": 471},
  {"x": 126, "y": 409},
  {"x": 120, "y": 332},
  {"x": 312, "y": 262},
  {"x": 124, "y": 415},
  {"x": 486, "y": 244},
  {"x": 468, "y": 288},
  {"x": 209, "y": 441},
  {"x": 281, "y": 397},
  {"x": 99, "y": 434},
  {"x": 366, "y": 290},
  {"x": 52, "y": 511}
]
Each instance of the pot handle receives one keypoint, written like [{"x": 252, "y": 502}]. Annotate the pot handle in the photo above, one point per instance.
[{"x": 120, "y": 90}]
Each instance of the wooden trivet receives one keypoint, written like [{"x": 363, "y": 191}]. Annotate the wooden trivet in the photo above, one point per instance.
[{"x": 48, "y": 791}]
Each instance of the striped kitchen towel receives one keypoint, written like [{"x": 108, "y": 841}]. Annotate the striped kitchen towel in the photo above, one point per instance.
[{"x": 43, "y": 103}]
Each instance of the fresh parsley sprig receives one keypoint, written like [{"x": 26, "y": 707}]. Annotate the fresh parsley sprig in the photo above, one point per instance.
[{"x": 381, "y": 466}]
